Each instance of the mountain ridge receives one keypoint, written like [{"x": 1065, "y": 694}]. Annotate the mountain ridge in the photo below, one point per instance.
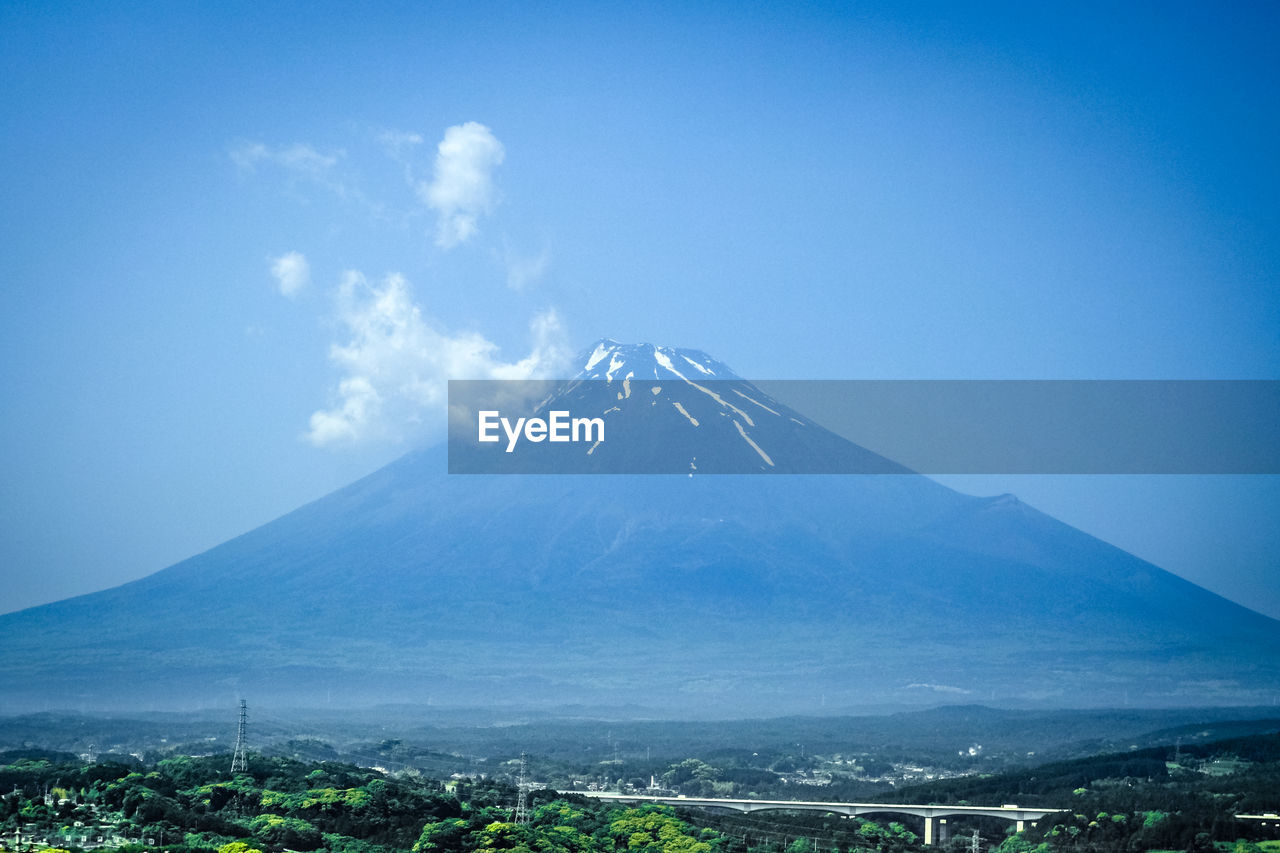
[{"x": 768, "y": 594}]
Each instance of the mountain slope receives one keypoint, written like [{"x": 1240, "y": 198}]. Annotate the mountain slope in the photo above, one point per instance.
[{"x": 749, "y": 594}]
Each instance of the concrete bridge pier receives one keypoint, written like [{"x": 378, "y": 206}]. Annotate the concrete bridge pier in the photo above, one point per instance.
[{"x": 936, "y": 831}]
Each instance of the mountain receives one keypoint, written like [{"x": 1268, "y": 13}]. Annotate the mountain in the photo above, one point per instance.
[
  {"x": 690, "y": 595},
  {"x": 664, "y": 411}
]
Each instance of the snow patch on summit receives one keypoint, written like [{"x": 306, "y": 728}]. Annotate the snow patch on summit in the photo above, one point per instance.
[
  {"x": 682, "y": 411},
  {"x": 757, "y": 402},
  {"x": 608, "y": 359},
  {"x": 697, "y": 366},
  {"x": 722, "y": 401},
  {"x": 614, "y": 364},
  {"x": 663, "y": 359},
  {"x": 597, "y": 355},
  {"x": 742, "y": 432}
]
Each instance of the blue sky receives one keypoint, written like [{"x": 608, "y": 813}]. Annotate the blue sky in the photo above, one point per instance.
[{"x": 243, "y": 246}]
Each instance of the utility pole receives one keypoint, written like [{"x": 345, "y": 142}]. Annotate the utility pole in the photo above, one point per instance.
[{"x": 239, "y": 761}]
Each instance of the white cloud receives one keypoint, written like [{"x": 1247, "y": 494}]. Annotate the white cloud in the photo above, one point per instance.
[
  {"x": 292, "y": 272},
  {"x": 461, "y": 188},
  {"x": 937, "y": 688},
  {"x": 299, "y": 163},
  {"x": 523, "y": 270},
  {"x": 397, "y": 364},
  {"x": 356, "y": 414},
  {"x": 395, "y": 141},
  {"x": 247, "y": 155},
  {"x": 304, "y": 158},
  {"x": 298, "y": 157}
]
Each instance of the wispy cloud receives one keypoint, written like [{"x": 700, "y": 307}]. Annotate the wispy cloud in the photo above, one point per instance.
[
  {"x": 292, "y": 272},
  {"x": 938, "y": 688},
  {"x": 298, "y": 157},
  {"x": 524, "y": 270},
  {"x": 299, "y": 163},
  {"x": 461, "y": 189},
  {"x": 402, "y": 146},
  {"x": 398, "y": 141},
  {"x": 397, "y": 363}
]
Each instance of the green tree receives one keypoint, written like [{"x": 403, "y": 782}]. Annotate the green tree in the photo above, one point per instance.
[
  {"x": 445, "y": 836},
  {"x": 291, "y": 832},
  {"x": 238, "y": 847},
  {"x": 655, "y": 829}
]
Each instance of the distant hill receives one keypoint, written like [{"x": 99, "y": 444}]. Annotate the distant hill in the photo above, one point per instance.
[{"x": 704, "y": 595}]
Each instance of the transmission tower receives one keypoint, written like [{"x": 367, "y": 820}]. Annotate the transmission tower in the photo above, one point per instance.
[
  {"x": 239, "y": 762},
  {"x": 974, "y": 845},
  {"x": 522, "y": 801}
]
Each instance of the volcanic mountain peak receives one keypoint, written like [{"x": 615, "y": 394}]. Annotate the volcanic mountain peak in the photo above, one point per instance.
[
  {"x": 609, "y": 360},
  {"x": 665, "y": 410},
  {"x": 675, "y": 410},
  {"x": 730, "y": 595}
]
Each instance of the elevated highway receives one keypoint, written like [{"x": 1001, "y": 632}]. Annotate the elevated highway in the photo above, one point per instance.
[{"x": 932, "y": 814}]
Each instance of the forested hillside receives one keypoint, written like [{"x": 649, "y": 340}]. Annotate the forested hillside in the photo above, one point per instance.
[{"x": 1164, "y": 798}]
